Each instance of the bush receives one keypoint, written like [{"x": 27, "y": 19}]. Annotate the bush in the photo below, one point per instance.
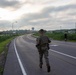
[
  {"x": 72, "y": 36},
  {"x": 5, "y": 37},
  {"x": 60, "y": 36},
  {"x": 56, "y": 36}
]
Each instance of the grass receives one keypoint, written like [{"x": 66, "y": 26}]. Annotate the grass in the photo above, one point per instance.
[
  {"x": 1, "y": 70},
  {"x": 59, "y": 36},
  {"x": 4, "y": 49},
  {"x": 4, "y": 37},
  {"x": 55, "y": 36},
  {"x": 3, "y": 44}
]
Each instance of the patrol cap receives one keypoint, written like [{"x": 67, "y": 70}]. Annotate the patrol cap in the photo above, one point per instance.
[{"x": 42, "y": 31}]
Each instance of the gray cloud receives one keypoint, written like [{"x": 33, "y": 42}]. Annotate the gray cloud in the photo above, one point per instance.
[
  {"x": 7, "y": 25},
  {"x": 4, "y": 25},
  {"x": 36, "y": 19},
  {"x": 59, "y": 9},
  {"x": 14, "y": 5},
  {"x": 50, "y": 18}
]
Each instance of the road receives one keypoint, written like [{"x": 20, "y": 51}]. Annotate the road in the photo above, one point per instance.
[{"x": 23, "y": 58}]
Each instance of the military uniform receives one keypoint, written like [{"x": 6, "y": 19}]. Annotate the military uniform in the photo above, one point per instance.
[{"x": 43, "y": 47}]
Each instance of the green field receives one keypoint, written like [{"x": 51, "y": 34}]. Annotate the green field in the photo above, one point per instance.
[
  {"x": 4, "y": 41},
  {"x": 59, "y": 36},
  {"x": 3, "y": 48},
  {"x": 3, "y": 44}
]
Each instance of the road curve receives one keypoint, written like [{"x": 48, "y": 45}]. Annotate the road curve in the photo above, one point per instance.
[{"x": 23, "y": 58}]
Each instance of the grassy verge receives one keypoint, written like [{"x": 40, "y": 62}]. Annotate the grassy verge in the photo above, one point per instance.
[
  {"x": 3, "y": 53},
  {"x": 3, "y": 44},
  {"x": 60, "y": 36},
  {"x": 55, "y": 36}
]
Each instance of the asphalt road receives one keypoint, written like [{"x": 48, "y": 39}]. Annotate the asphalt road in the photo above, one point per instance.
[{"x": 23, "y": 58}]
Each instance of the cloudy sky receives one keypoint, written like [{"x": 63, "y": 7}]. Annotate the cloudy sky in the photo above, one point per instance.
[{"x": 46, "y": 14}]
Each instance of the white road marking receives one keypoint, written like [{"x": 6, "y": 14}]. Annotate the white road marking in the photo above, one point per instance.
[
  {"x": 57, "y": 52},
  {"x": 73, "y": 57},
  {"x": 19, "y": 60},
  {"x": 63, "y": 54},
  {"x": 53, "y": 45},
  {"x": 31, "y": 38}
]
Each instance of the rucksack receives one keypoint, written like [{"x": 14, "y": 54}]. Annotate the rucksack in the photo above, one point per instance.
[{"x": 44, "y": 42}]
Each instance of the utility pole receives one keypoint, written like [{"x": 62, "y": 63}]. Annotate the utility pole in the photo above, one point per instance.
[
  {"x": 12, "y": 26},
  {"x": 75, "y": 27},
  {"x": 60, "y": 28}
]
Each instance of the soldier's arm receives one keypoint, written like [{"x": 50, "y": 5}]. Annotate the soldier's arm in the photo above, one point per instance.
[
  {"x": 37, "y": 44},
  {"x": 49, "y": 40},
  {"x": 37, "y": 41}
]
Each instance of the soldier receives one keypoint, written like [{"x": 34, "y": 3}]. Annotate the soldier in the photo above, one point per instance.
[{"x": 43, "y": 47}]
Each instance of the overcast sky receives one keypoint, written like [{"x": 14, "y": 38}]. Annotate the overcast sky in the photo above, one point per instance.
[{"x": 46, "y": 14}]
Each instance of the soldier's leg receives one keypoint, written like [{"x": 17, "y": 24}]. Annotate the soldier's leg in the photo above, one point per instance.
[
  {"x": 46, "y": 57},
  {"x": 40, "y": 59},
  {"x": 47, "y": 60}
]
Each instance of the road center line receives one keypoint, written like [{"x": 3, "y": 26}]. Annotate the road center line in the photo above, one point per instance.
[
  {"x": 63, "y": 54},
  {"x": 19, "y": 60}
]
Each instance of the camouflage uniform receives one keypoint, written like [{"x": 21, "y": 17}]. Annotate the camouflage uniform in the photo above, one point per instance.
[{"x": 43, "y": 42}]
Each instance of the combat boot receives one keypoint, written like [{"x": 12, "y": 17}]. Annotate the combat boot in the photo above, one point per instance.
[
  {"x": 48, "y": 68},
  {"x": 40, "y": 65}
]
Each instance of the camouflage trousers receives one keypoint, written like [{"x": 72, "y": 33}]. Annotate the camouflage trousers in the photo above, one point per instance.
[{"x": 45, "y": 54}]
